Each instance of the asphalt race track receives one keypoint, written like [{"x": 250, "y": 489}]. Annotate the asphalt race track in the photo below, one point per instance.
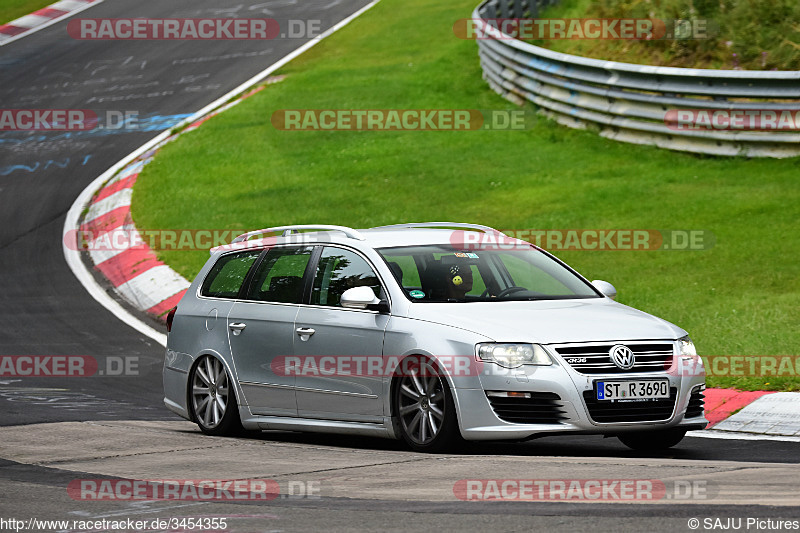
[{"x": 56, "y": 430}]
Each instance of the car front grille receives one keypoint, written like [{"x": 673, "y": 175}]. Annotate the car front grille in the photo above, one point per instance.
[
  {"x": 540, "y": 408},
  {"x": 595, "y": 358},
  {"x": 697, "y": 402},
  {"x": 610, "y": 411}
]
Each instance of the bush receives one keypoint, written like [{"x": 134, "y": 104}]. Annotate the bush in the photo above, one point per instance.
[{"x": 749, "y": 34}]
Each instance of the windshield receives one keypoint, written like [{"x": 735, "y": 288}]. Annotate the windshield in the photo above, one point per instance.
[{"x": 442, "y": 273}]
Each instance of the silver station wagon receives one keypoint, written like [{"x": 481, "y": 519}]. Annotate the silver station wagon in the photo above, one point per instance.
[{"x": 431, "y": 333}]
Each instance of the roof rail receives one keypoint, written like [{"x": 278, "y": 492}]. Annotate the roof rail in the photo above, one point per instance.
[
  {"x": 485, "y": 229},
  {"x": 288, "y": 230}
]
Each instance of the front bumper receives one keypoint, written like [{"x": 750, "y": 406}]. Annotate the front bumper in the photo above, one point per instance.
[{"x": 572, "y": 411}]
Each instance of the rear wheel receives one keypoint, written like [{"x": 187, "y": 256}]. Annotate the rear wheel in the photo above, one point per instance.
[
  {"x": 652, "y": 440},
  {"x": 424, "y": 408},
  {"x": 213, "y": 402}
]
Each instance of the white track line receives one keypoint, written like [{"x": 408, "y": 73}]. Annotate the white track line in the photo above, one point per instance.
[
  {"x": 73, "y": 256},
  {"x": 736, "y": 435},
  {"x": 71, "y": 223}
]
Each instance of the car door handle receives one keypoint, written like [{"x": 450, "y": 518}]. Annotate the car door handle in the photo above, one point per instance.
[
  {"x": 305, "y": 333},
  {"x": 237, "y": 327}
]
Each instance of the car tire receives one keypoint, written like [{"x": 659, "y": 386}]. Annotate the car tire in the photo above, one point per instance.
[
  {"x": 652, "y": 440},
  {"x": 423, "y": 408},
  {"x": 212, "y": 400}
]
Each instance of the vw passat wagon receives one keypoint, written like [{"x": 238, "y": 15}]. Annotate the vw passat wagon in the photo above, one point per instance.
[{"x": 430, "y": 333}]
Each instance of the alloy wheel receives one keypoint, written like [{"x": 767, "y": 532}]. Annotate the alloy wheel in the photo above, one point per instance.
[
  {"x": 210, "y": 391},
  {"x": 422, "y": 403}
]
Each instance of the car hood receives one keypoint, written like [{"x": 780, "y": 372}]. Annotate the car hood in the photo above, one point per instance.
[{"x": 549, "y": 321}]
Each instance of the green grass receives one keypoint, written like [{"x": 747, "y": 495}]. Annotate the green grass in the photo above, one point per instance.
[
  {"x": 751, "y": 35},
  {"x": 14, "y": 9},
  {"x": 237, "y": 171}
]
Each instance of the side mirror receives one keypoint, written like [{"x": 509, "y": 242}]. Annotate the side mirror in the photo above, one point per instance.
[
  {"x": 606, "y": 288},
  {"x": 363, "y": 298}
]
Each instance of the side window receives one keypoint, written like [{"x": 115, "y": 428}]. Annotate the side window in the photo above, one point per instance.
[
  {"x": 405, "y": 270},
  {"x": 279, "y": 277},
  {"x": 227, "y": 275},
  {"x": 339, "y": 270}
]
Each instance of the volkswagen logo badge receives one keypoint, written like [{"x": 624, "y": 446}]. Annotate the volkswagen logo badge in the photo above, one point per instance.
[{"x": 622, "y": 356}]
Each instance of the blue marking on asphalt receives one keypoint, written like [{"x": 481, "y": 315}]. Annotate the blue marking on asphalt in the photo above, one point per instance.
[
  {"x": 152, "y": 123},
  {"x": 36, "y": 165}
]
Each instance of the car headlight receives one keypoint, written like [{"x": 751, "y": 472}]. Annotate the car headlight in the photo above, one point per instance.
[
  {"x": 688, "y": 363},
  {"x": 686, "y": 347},
  {"x": 513, "y": 355}
]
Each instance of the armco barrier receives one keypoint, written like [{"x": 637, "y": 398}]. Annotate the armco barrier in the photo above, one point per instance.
[{"x": 629, "y": 102}]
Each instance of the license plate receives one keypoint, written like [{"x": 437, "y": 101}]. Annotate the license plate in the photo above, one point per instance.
[{"x": 632, "y": 390}]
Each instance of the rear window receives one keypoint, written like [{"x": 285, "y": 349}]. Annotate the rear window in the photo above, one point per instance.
[
  {"x": 227, "y": 275},
  {"x": 279, "y": 277}
]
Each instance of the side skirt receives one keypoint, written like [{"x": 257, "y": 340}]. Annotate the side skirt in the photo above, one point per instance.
[{"x": 289, "y": 423}]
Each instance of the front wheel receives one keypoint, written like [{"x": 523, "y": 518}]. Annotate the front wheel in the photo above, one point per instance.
[
  {"x": 424, "y": 408},
  {"x": 213, "y": 402},
  {"x": 652, "y": 440}
]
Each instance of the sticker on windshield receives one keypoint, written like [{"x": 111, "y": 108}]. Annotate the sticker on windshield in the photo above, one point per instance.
[
  {"x": 472, "y": 256},
  {"x": 461, "y": 254},
  {"x": 417, "y": 294}
]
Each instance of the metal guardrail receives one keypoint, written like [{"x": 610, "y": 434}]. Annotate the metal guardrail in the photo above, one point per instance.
[{"x": 629, "y": 102}]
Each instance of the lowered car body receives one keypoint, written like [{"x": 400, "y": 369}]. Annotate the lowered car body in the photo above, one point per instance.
[{"x": 429, "y": 334}]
